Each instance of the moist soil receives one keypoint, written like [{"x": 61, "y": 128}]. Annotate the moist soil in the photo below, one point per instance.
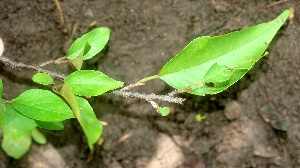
[{"x": 144, "y": 36}]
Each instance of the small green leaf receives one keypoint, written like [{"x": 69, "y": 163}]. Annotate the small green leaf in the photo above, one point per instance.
[
  {"x": 77, "y": 62},
  {"x": 43, "y": 78},
  {"x": 42, "y": 105},
  {"x": 164, "y": 111},
  {"x": 222, "y": 60},
  {"x": 50, "y": 125},
  {"x": 91, "y": 83},
  {"x": 16, "y": 148},
  {"x": 97, "y": 39},
  {"x": 14, "y": 124},
  {"x": 38, "y": 136},
  {"x": 199, "y": 117},
  {"x": 84, "y": 114}
]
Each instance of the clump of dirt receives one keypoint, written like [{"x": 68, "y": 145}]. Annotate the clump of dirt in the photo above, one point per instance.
[{"x": 144, "y": 36}]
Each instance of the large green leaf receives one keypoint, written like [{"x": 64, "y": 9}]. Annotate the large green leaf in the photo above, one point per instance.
[
  {"x": 42, "y": 105},
  {"x": 91, "y": 83},
  {"x": 222, "y": 59},
  {"x": 58, "y": 125},
  {"x": 97, "y": 38},
  {"x": 43, "y": 78},
  {"x": 14, "y": 124},
  {"x": 84, "y": 114},
  {"x": 16, "y": 148}
]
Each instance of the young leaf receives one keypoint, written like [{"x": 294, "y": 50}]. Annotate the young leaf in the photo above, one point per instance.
[
  {"x": 236, "y": 52},
  {"x": 164, "y": 111},
  {"x": 43, "y": 78},
  {"x": 199, "y": 117},
  {"x": 42, "y": 105},
  {"x": 84, "y": 114},
  {"x": 58, "y": 125},
  {"x": 91, "y": 83},
  {"x": 16, "y": 148},
  {"x": 77, "y": 62},
  {"x": 14, "y": 124},
  {"x": 97, "y": 38},
  {"x": 38, "y": 136}
]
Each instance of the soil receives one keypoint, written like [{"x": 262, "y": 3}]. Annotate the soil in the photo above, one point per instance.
[{"x": 144, "y": 36}]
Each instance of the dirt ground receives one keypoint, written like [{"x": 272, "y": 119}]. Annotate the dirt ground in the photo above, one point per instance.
[{"x": 144, "y": 36}]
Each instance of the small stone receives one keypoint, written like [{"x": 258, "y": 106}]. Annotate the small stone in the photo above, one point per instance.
[
  {"x": 44, "y": 157},
  {"x": 89, "y": 13},
  {"x": 233, "y": 110},
  {"x": 269, "y": 114},
  {"x": 168, "y": 153}
]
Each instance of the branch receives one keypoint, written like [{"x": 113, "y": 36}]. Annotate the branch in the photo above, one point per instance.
[
  {"x": 121, "y": 92},
  {"x": 147, "y": 97},
  {"x": 21, "y": 65}
]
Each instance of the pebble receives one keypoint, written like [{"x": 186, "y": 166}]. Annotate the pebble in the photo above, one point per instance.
[
  {"x": 233, "y": 110},
  {"x": 89, "y": 13}
]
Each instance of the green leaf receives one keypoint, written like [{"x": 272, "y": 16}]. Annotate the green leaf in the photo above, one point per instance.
[
  {"x": 84, "y": 114},
  {"x": 14, "y": 124},
  {"x": 50, "y": 125},
  {"x": 97, "y": 38},
  {"x": 222, "y": 59},
  {"x": 164, "y": 111},
  {"x": 38, "y": 136},
  {"x": 89, "y": 122},
  {"x": 77, "y": 62},
  {"x": 43, "y": 78},
  {"x": 16, "y": 131},
  {"x": 199, "y": 117},
  {"x": 42, "y": 105},
  {"x": 91, "y": 83},
  {"x": 16, "y": 148}
]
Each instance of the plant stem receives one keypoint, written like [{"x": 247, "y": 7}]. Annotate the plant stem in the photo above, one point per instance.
[
  {"x": 122, "y": 92},
  {"x": 147, "y": 97},
  {"x": 8, "y": 101},
  {"x": 149, "y": 78},
  {"x": 21, "y": 65}
]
